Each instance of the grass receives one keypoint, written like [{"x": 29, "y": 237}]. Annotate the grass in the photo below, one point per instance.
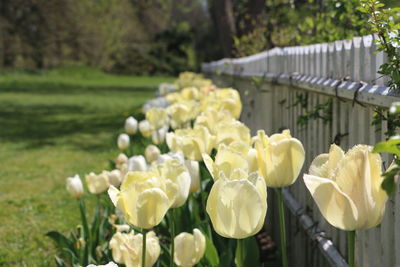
[{"x": 54, "y": 124}]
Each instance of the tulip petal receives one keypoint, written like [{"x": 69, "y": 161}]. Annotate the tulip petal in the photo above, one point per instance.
[
  {"x": 358, "y": 175},
  {"x": 199, "y": 243},
  {"x": 210, "y": 166},
  {"x": 113, "y": 194},
  {"x": 337, "y": 208},
  {"x": 152, "y": 205}
]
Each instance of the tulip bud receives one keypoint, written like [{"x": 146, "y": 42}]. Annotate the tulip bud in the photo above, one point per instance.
[
  {"x": 131, "y": 125},
  {"x": 97, "y": 184},
  {"x": 123, "y": 141},
  {"x": 189, "y": 249},
  {"x": 152, "y": 153},
  {"x": 121, "y": 160},
  {"x": 144, "y": 128},
  {"x": 74, "y": 186},
  {"x": 194, "y": 170},
  {"x": 137, "y": 163},
  {"x": 115, "y": 177},
  {"x": 347, "y": 187}
]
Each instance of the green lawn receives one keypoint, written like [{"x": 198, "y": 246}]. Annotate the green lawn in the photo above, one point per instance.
[{"x": 52, "y": 125}]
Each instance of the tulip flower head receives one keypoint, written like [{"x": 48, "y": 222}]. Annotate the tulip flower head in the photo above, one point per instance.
[
  {"x": 280, "y": 158},
  {"x": 237, "y": 205},
  {"x": 191, "y": 142},
  {"x": 74, "y": 186},
  {"x": 152, "y": 153},
  {"x": 212, "y": 119},
  {"x": 126, "y": 248},
  {"x": 97, "y": 184},
  {"x": 231, "y": 131},
  {"x": 231, "y": 157},
  {"x": 123, "y": 141},
  {"x": 347, "y": 187},
  {"x": 144, "y": 128},
  {"x": 177, "y": 178},
  {"x": 114, "y": 177},
  {"x": 142, "y": 199},
  {"x": 137, "y": 163},
  {"x": 157, "y": 118},
  {"x": 131, "y": 125},
  {"x": 121, "y": 160},
  {"x": 189, "y": 249}
]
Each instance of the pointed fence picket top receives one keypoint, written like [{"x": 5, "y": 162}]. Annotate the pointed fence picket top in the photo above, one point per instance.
[{"x": 342, "y": 79}]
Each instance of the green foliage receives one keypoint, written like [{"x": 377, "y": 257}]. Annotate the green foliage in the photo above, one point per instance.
[
  {"x": 385, "y": 22},
  {"x": 391, "y": 146},
  {"x": 322, "y": 111}
]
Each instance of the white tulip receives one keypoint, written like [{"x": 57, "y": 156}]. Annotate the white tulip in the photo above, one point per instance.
[
  {"x": 123, "y": 141},
  {"x": 144, "y": 128},
  {"x": 151, "y": 153},
  {"x": 137, "y": 163},
  {"x": 131, "y": 125},
  {"x": 115, "y": 177},
  {"x": 97, "y": 184},
  {"x": 74, "y": 186}
]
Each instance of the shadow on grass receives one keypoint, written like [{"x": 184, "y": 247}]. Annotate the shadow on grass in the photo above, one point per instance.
[
  {"x": 45, "y": 123},
  {"x": 55, "y": 87}
]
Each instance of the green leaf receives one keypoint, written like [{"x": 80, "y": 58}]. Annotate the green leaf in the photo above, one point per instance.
[
  {"x": 211, "y": 253},
  {"x": 389, "y": 185},
  {"x": 61, "y": 240},
  {"x": 390, "y": 146}
]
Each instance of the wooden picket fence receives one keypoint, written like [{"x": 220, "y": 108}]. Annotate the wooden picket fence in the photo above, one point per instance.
[{"x": 323, "y": 93}]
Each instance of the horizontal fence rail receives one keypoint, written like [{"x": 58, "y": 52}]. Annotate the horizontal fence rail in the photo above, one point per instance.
[{"x": 324, "y": 93}]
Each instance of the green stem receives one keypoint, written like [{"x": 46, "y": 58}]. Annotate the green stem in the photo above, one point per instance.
[
  {"x": 351, "y": 244},
  {"x": 240, "y": 251},
  {"x": 172, "y": 230},
  {"x": 86, "y": 232},
  {"x": 281, "y": 212},
  {"x": 144, "y": 248}
]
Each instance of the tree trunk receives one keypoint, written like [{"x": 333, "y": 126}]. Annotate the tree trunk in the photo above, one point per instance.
[{"x": 224, "y": 20}]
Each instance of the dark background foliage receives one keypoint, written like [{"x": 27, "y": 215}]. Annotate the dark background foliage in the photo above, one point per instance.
[{"x": 164, "y": 36}]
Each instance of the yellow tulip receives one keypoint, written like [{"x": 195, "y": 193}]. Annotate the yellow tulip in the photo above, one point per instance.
[
  {"x": 176, "y": 176},
  {"x": 157, "y": 118},
  {"x": 230, "y": 131},
  {"x": 237, "y": 206},
  {"x": 143, "y": 199},
  {"x": 191, "y": 142},
  {"x": 212, "y": 118},
  {"x": 190, "y": 93},
  {"x": 97, "y": 184},
  {"x": 182, "y": 113},
  {"x": 280, "y": 158},
  {"x": 173, "y": 98},
  {"x": 229, "y": 158},
  {"x": 227, "y": 99},
  {"x": 126, "y": 248},
  {"x": 347, "y": 187},
  {"x": 189, "y": 249}
]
